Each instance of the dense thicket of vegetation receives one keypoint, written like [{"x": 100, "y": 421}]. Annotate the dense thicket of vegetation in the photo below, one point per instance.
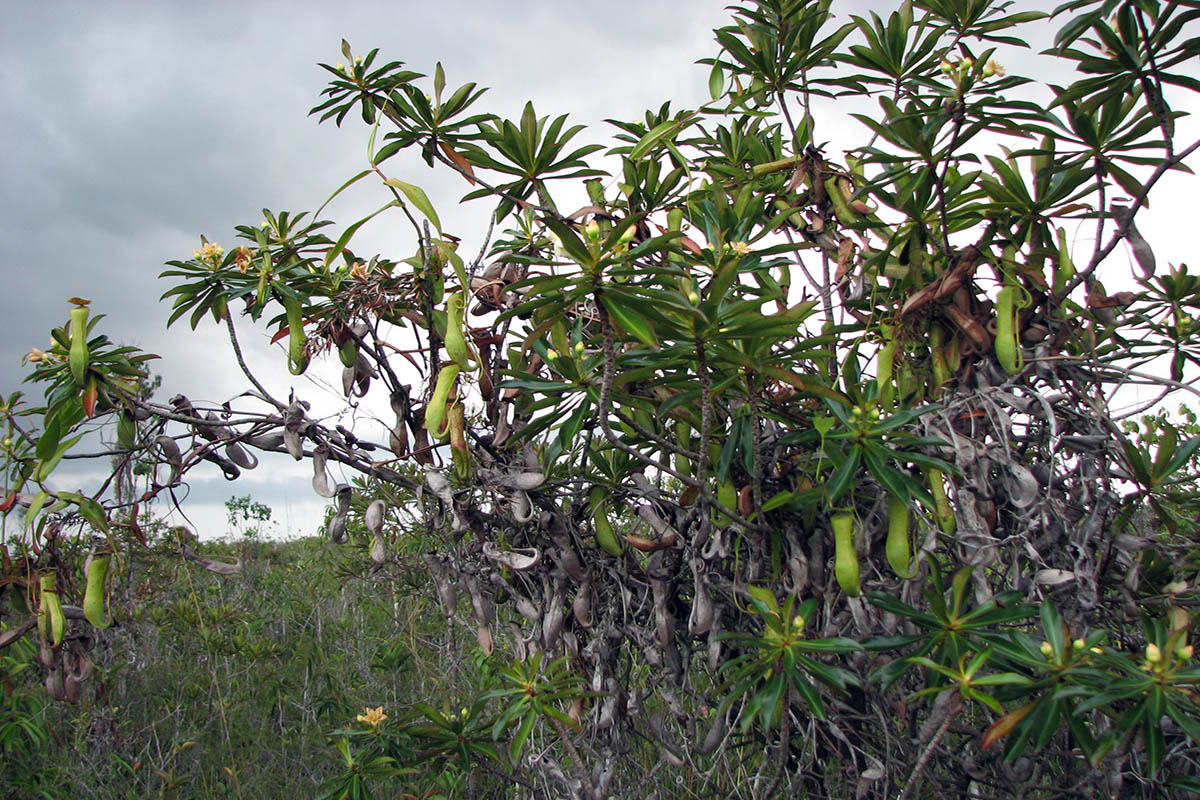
[{"x": 779, "y": 468}]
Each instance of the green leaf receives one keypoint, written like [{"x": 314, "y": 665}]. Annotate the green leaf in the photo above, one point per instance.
[
  {"x": 569, "y": 240},
  {"x": 416, "y": 195},
  {"x": 48, "y": 442},
  {"x": 46, "y": 467},
  {"x": 1186, "y": 720},
  {"x": 629, "y": 320},
  {"x": 346, "y": 236},
  {"x": 843, "y": 479},
  {"x": 341, "y": 189},
  {"x": 1186, "y": 783},
  {"x": 518, "y": 742},
  {"x": 35, "y": 507},
  {"x": 765, "y": 598},
  {"x": 716, "y": 81},
  {"x": 657, "y": 134}
]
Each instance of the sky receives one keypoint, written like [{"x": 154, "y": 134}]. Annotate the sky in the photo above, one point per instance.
[{"x": 131, "y": 128}]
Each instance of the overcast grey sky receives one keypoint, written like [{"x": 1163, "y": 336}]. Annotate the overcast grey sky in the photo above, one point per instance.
[{"x": 130, "y": 128}]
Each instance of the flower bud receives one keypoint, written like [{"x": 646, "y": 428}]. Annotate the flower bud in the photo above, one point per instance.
[
  {"x": 1153, "y": 654},
  {"x": 592, "y": 230},
  {"x": 693, "y": 298},
  {"x": 1079, "y": 644},
  {"x": 1185, "y": 652},
  {"x": 1047, "y": 649},
  {"x": 551, "y": 354},
  {"x": 579, "y": 348}
]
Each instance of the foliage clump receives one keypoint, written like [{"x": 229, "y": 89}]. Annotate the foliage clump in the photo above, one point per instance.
[{"x": 772, "y": 469}]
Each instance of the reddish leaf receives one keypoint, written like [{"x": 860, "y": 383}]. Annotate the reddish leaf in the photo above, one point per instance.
[
  {"x": 745, "y": 503},
  {"x": 459, "y": 161},
  {"x": 649, "y": 545},
  {"x": 88, "y": 398},
  {"x": 1004, "y": 726}
]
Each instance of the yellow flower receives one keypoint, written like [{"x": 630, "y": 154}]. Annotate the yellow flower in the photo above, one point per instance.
[
  {"x": 34, "y": 357},
  {"x": 359, "y": 271},
  {"x": 993, "y": 68},
  {"x": 373, "y": 716},
  {"x": 741, "y": 248},
  {"x": 210, "y": 253},
  {"x": 242, "y": 257}
]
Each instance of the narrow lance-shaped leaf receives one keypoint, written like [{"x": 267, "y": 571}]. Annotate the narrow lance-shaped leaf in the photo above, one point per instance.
[{"x": 416, "y": 195}]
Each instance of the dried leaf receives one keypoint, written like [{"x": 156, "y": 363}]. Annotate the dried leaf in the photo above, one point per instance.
[
  {"x": 520, "y": 559},
  {"x": 1143, "y": 254},
  {"x": 212, "y": 565},
  {"x": 320, "y": 480},
  {"x": 1053, "y": 577}
]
